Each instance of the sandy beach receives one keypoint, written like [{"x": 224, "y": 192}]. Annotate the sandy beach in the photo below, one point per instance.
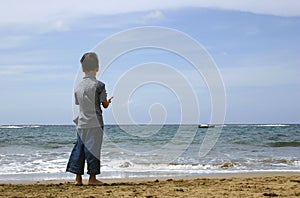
[{"x": 232, "y": 185}]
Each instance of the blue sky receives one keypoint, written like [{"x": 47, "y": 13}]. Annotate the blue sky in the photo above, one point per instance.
[{"x": 255, "y": 45}]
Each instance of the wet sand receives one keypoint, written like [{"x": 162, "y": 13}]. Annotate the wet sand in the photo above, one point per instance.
[{"x": 231, "y": 185}]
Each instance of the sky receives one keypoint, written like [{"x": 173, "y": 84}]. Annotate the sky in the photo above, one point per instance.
[{"x": 255, "y": 45}]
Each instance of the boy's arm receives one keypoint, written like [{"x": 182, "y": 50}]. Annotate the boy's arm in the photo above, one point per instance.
[
  {"x": 76, "y": 100},
  {"x": 106, "y": 104}
]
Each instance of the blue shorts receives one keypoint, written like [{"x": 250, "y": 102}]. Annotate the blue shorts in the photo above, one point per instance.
[{"x": 87, "y": 147}]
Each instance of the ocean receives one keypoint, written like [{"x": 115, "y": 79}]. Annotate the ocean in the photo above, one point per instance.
[{"x": 41, "y": 152}]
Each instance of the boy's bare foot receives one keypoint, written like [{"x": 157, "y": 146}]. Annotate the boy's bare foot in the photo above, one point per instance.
[
  {"x": 78, "y": 181},
  {"x": 93, "y": 181}
]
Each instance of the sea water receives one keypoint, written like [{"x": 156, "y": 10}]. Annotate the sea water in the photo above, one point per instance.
[{"x": 35, "y": 153}]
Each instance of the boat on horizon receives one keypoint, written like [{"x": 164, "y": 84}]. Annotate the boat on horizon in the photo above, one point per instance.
[{"x": 206, "y": 126}]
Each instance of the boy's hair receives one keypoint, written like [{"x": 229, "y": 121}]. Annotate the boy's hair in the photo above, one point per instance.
[{"x": 89, "y": 61}]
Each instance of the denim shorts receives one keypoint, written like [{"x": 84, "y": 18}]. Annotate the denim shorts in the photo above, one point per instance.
[{"x": 87, "y": 147}]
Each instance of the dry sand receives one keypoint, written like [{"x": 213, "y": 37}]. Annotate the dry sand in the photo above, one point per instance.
[{"x": 234, "y": 185}]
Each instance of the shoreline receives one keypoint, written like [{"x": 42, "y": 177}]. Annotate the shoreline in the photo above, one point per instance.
[
  {"x": 281, "y": 184},
  {"x": 248, "y": 174}
]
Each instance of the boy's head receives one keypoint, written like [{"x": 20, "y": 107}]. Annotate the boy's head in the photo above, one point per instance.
[{"x": 89, "y": 62}]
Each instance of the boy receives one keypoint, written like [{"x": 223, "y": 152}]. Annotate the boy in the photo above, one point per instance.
[{"x": 89, "y": 95}]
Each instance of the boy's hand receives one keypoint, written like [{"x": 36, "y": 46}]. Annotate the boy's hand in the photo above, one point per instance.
[
  {"x": 109, "y": 100},
  {"x": 106, "y": 104}
]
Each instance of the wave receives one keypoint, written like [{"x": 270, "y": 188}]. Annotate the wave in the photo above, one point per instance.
[
  {"x": 11, "y": 127},
  {"x": 259, "y": 125},
  {"x": 126, "y": 165},
  {"x": 128, "y": 168},
  {"x": 271, "y": 125},
  {"x": 18, "y": 126},
  {"x": 32, "y": 126},
  {"x": 285, "y": 144}
]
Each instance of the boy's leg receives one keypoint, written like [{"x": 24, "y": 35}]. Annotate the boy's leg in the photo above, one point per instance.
[
  {"x": 92, "y": 150},
  {"x": 93, "y": 165},
  {"x": 76, "y": 161}
]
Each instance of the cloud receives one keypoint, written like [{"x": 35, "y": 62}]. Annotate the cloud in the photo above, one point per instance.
[
  {"x": 60, "y": 25},
  {"x": 154, "y": 15},
  {"x": 13, "y": 41},
  {"x": 268, "y": 7},
  {"x": 57, "y": 15},
  {"x": 265, "y": 76},
  {"x": 25, "y": 73}
]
